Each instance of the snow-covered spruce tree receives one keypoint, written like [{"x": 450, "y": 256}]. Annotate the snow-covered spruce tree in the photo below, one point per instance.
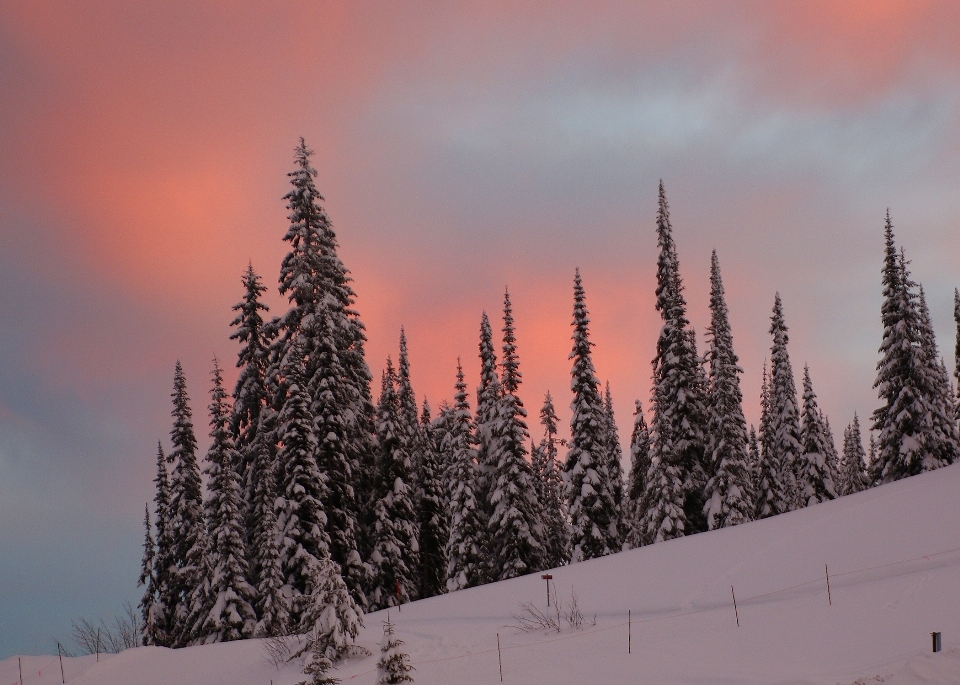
[
  {"x": 614, "y": 465},
  {"x": 814, "y": 476},
  {"x": 434, "y": 531},
  {"x": 331, "y": 419},
  {"x": 273, "y": 595},
  {"x": 148, "y": 581},
  {"x": 411, "y": 434},
  {"x": 956, "y": 358},
  {"x": 551, "y": 490},
  {"x": 637, "y": 480},
  {"x": 329, "y": 617},
  {"x": 313, "y": 278},
  {"x": 786, "y": 443},
  {"x": 593, "y": 518},
  {"x": 771, "y": 499},
  {"x": 673, "y": 501},
  {"x": 227, "y": 612},
  {"x": 488, "y": 404},
  {"x": 301, "y": 521},
  {"x": 164, "y": 564},
  {"x": 753, "y": 450},
  {"x": 729, "y": 493},
  {"x": 394, "y": 664},
  {"x": 904, "y": 420},
  {"x": 943, "y": 437},
  {"x": 186, "y": 524},
  {"x": 250, "y": 393},
  {"x": 467, "y": 541},
  {"x": 516, "y": 523},
  {"x": 396, "y": 552},
  {"x": 833, "y": 457},
  {"x": 853, "y": 475}
]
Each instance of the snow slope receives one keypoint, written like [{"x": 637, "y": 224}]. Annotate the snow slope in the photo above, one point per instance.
[{"x": 894, "y": 561}]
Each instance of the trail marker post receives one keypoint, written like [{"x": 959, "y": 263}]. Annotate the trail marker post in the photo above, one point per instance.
[
  {"x": 20, "y": 668},
  {"x": 629, "y": 632},
  {"x": 98, "y": 645},
  {"x": 547, "y": 577},
  {"x": 499, "y": 658},
  {"x": 937, "y": 645},
  {"x": 735, "y": 612},
  {"x": 63, "y": 678},
  {"x": 827, "y": 571}
]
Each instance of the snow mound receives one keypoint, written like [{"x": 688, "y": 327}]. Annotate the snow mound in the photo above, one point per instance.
[{"x": 892, "y": 554}]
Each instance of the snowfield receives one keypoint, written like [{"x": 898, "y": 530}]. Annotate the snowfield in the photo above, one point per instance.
[{"x": 893, "y": 555}]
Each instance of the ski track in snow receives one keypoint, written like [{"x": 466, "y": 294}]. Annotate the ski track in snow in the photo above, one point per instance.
[{"x": 894, "y": 560}]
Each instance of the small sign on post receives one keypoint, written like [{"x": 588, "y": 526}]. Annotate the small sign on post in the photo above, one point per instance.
[
  {"x": 547, "y": 577},
  {"x": 937, "y": 646}
]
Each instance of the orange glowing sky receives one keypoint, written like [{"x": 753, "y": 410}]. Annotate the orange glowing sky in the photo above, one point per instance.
[{"x": 461, "y": 148}]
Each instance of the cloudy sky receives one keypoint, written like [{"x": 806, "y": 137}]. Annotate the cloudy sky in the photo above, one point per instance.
[{"x": 461, "y": 148}]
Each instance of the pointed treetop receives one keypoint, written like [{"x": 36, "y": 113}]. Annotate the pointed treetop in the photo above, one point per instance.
[{"x": 511, "y": 363}]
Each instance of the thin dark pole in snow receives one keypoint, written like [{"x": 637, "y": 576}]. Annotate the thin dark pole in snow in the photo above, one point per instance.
[
  {"x": 499, "y": 658},
  {"x": 735, "y": 612},
  {"x": 63, "y": 678},
  {"x": 547, "y": 577},
  {"x": 98, "y": 645},
  {"x": 629, "y": 632},
  {"x": 20, "y": 668},
  {"x": 829, "y": 598}
]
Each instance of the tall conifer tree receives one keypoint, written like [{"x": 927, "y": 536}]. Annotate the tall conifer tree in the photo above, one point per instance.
[
  {"x": 186, "y": 513},
  {"x": 614, "y": 467},
  {"x": 396, "y": 553},
  {"x": 555, "y": 526},
  {"x": 853, "y": 476},
  {"x": 786, "y": 444},
  {"x": 488, "y": 406},
  {"x": 814, "y": 473},
  {"x": 516, "y": 525},
  {"x": 675, "y": 490},
  {"x": 148, "y": 581},
  {"x": 227, "y": 612},
  {"x": 164, "y": 562},
  {"x": 434, "y": 531},
  {"x": 466, "y": 544},
  {"x": 729, "y": 494},
  {"x": 593, "y": 519},
  {"x": 771, "y": 498},
  {"x": 637, "y": 481}
]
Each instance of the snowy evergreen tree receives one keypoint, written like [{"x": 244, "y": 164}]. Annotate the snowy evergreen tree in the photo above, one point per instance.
[
  {"x": 411, "y": 434},
  {"x": 186, "y": 515},
  {"x": 814, "y": 476},
  {"x": 329, "y": 617},
  {"x": 148, "y": 581},
  {"x": 637, "y": 482},
  {"x": 465, "y": 546},
  {"x": 674, "y": 498},
  {"x": 833, "y": 457},
  {"x": 331, "y": 420},
  {"x": 273, "y": 595},
  {"x": 956, "y": 358},
  {"x": 394, "y": 664},
  {"x": 729, "y": 493},
  {"x": 250, "y": 393},
  {"x": 516, "y": 525},
  {"x": 853, "y": 475},
  {"x": 227, "y": 610},
  {"x": 301, "y": 521},
  {"x": 942, "y": 436},
  {"x": 771, "y": 497},
  {"x": 434, "y": 531},
  {"x": 786, "y": 443},
  {"x": 314, "y": 280},
  {"x": 910, "y": 422},
  {"x": 164, "y": 563},
  {"x": 488, "y": 406},
  {"x": 593, "y": 518},
  {"x": 753, "y": 450},
  {"x": 396, "y": 553},
  {"x": 551, "y": 490},
  {"x": 614, "y": 467}
]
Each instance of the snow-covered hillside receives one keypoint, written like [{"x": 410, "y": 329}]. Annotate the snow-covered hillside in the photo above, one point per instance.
[{"x": 894, "y": 561}]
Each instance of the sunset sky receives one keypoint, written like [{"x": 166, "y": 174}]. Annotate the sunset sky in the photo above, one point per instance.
[{"x": 461, "y": 148}]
